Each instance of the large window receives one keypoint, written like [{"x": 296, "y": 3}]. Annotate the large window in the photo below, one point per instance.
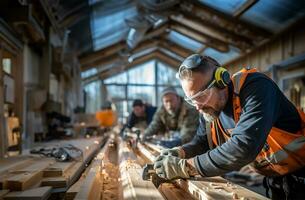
[{"x": 144, "y": 82}]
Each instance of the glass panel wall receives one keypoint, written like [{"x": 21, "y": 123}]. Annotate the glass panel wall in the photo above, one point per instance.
[{"x": 145, "y": 81}]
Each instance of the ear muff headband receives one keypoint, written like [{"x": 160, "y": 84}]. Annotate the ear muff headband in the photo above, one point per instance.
[{"x": 222, "y": 77}]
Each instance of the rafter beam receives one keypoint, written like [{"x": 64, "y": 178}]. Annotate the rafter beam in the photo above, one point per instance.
[
  {"x": 106, "y": 60},
  {"x": 243, "y": 8},
  {"x": 172, "y": 62},
  {"x": 93, "y": 59},
  {"x": 210, "y": 15},
  {"x": 177, "y": 49},
  {"x": 213, "y": 32},
  {"x": 211, "y": 42},
  {"x": 140, "y": 60},
  {"x": 154, "y": 55},
  {"x": 119, "y": 68}
]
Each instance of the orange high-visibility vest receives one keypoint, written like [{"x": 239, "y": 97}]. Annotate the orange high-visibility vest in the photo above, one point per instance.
[
  {"x": 107, "y": 118},
  {"x": 283, "y": 152}
]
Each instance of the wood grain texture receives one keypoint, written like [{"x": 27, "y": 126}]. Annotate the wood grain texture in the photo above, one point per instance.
[
  {"x": 131, "y": 177},
  {"x": 40, "y": 193}
]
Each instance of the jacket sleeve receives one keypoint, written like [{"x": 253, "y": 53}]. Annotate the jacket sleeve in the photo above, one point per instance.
[
  {"x": 199, "y": 144},
  {"x": 131, "y": 120},
  {"x": 156, "y": 125},
  {"x": 189, "y": 125},
  {"x": 259, "y": 111}
]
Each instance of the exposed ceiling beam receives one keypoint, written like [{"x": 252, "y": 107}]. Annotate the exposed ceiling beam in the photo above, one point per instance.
[
  {"x": 177, "y": 49},
  {"x": 201, "y": 50},
  {"x": 229, "y": 38},
  {"x": 154, "y": 55},
  {"x": 243, "y": 8},
  {"x": 77, "y": 9},
  {"x": 73, "y": 19},
  {"x": 172, "y": 62},
  {"x": 48, "y": 10},
  {"x": 89, "y": 60},
  {"x": 210, "y": 15},
  {"x": 92, "y": 57},
  {"x": 211, "y": 42},
  {"x": 112, "y": 56},
  {"x": 117, "y": 69}
]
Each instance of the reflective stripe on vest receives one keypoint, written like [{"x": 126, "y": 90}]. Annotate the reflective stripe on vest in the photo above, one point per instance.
[{"x": 284, "y": 152}]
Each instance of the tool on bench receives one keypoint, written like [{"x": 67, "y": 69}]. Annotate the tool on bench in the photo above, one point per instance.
[
  {"x": 149, "y": 174},
  {"x": 133, "y": 138},
  {"x": 60, "y": 153}
]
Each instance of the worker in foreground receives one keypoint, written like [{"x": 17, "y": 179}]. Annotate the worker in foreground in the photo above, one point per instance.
[
  {"x": 245, "y": 119},
  {"x": 173, "y": 115},
  {"x": 141, "y": 115}
]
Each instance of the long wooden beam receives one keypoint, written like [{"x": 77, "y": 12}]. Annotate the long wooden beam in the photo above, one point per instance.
[
  {"x": 107, "y": 73},
  {"x": 155, "y": 55},
  {"x": 92, "y": 57},
  {"x": 207, "y": 188},
  {"x": 92, "y": 183},
  {"x": 120, "y": 68},
  {"x": 213, "y": 32},
  {"x": 198, "y": 36},
  {"x": 106, "y": 60},
  {"x": 132, "y": 184},
  {"x": 87, "y": 61},
  {"x": 173, "y": 47},
  {"x": 210, "y": 15},
  {"x": 244, "y": 7}
]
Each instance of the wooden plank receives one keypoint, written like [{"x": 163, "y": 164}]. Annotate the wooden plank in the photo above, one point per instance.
[
  {"x": 11, "y": 163},
  {"x": 40, "y": 193},
  {"x": 58, "y": 169},
  {"x": 74, "y": 189},
  {"x": 3, "y": 193},
  {"x": 244, "y": 7},
  {"x": 90, "y": 189},
  {"x": 200, "y": 37},
  {"x": 72, "y": 170},
  {"x": 209, "y": 188},
  {"x": 92, "y": 184},
  {"x": 173, "y": 191},
  {"x": 27, "y": 177},
  {"x": 55, "y": 182},
  {"x": 219, "y": 188},
  {"x": 132, "y": 184}
]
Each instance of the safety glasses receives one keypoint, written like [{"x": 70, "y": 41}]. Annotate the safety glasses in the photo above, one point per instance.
[{"x": 192, "y": 100}]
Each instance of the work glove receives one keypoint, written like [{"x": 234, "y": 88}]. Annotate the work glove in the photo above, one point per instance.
[
  {"x": 171, "y": 167},
  {"x": 176, "y": 151}
]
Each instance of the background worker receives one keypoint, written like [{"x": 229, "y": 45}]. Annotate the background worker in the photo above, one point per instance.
[
  {"x": 252, "y": 122},
  {"x": 173, "y": 115},
  {"x": 141, "y": 116}
]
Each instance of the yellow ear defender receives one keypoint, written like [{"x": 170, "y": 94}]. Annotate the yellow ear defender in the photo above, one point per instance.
[{"x": 222, "y": 77}]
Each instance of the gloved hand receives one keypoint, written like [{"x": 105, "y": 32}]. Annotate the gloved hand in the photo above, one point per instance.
[
  {"x": 176, "y": 151},
  {"x": 171, "y": 167}
]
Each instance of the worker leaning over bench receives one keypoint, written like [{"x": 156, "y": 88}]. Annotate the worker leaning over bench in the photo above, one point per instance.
[
  {"x": 173, "y": 115},
  {"x": 249, "y": 120}
]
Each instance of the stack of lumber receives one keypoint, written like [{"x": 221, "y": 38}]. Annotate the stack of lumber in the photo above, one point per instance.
[
  {"x": 35, "y": 177},
  {"x": 209, "y": 188}
]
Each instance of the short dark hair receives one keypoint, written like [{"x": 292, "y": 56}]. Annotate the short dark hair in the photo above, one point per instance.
[{"x": 137, "y": 102}]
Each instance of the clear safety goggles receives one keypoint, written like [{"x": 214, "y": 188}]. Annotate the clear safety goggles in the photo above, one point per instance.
[{"x": 203, "y": 94}]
